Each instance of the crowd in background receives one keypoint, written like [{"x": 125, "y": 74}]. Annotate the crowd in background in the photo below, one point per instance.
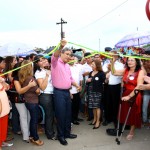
[{"x": 98, "y": 84}]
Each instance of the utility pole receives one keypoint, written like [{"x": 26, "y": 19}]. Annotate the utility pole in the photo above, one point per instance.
[{"x": 62, "y": 33}]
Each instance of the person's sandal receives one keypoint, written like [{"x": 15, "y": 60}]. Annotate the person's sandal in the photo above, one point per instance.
[
  {"x": 38, "y": 142},
  {"x": 9, "y": 139},
  {"x": 129, "y": 137}
]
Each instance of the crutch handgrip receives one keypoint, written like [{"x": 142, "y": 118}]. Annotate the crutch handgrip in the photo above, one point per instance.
[
  {"x": 132, "y": 99},
  {"x": 136, "y": 91}
]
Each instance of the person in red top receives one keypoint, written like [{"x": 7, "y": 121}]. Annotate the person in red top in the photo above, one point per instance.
[
  {"x": 132, "y": 77},
  {"x": 2, "y": 67},
  {"x": 4, "y": 119},
  {"x": 4, "y": 111}
]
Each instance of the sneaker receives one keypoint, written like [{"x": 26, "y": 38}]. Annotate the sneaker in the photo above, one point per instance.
[{"x": 5, "y": 144}]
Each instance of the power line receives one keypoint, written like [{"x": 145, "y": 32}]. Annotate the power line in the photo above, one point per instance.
[{"x": 102, "y": 16}]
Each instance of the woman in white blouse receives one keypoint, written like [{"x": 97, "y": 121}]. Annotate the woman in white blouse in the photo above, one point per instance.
[{"x": 43, "y": 77}]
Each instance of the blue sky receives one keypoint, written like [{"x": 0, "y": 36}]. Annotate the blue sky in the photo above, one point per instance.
[{"x": 34, "y": 21}]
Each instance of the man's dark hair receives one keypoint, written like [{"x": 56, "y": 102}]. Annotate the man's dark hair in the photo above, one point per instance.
[
  {"x": 76, "y": 50},
  {"x": 32, "y": 55},
  {"x": 87, "y": 54},
  {"x": 27, "y": 57}
]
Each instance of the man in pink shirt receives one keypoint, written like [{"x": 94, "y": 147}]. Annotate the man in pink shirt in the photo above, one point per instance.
[{"x": 62, "y": 81}]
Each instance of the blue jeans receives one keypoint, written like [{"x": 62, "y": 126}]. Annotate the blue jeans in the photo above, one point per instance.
[
  {"x": 46, "y": 101},
  {"x": 62, "y": 103},
  {"x": 146, "y": 100},
  {"x": 33, "y": 110}
]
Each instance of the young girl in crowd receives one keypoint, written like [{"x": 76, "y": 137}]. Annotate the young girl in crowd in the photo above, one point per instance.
[{"x": 24, "y": 115}]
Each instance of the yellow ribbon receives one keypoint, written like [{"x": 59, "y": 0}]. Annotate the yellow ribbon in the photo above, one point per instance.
[{"x": 106, "y": 54}]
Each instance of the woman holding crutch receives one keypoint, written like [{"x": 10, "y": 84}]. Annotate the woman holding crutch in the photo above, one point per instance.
[{"x": 132, "y": 77}]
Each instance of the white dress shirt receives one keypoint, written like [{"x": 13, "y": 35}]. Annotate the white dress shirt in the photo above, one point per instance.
[
  {"x": 76, "y": 72},
  {"x": 42, "y": 74},
  {"x": 113, "y": 80}
]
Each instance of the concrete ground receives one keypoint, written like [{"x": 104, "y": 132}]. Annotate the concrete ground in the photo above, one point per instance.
[{"x": 89, "y": 139}]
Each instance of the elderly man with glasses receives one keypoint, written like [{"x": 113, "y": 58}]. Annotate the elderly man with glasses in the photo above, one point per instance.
[{"x": 62, "y": 81}]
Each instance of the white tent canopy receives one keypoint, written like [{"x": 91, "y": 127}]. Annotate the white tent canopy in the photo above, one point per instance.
[{"x": 14, "y": 48}]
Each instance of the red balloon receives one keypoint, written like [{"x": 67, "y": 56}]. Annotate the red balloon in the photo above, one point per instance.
[{"x": 148, "y": 9}]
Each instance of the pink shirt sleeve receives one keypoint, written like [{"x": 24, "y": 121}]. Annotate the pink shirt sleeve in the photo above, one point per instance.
[{"x": 54, "y": 60}]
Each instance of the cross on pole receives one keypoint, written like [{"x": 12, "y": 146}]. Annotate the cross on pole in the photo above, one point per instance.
[{"x": 62, "y": 22}]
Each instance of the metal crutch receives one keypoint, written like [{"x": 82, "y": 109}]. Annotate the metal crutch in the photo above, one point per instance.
[
  {"x": 131, "y": 101},
  {"x": 118, "y": 124}
]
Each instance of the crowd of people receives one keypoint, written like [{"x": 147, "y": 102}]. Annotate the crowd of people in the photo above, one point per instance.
[{"x": 62, "y": 85}]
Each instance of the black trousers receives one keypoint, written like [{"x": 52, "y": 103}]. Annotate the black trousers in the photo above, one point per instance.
[
  {"x": 75, "y": 106},
  {"x": 112, "y": 103},
  {"x": 46, "y": 101},
  {"x": 62, "y": 103},
  {"x": 104, "y": 103}
]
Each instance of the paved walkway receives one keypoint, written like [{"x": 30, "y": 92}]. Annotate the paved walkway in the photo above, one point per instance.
[{"x": 89, "y": 139}]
